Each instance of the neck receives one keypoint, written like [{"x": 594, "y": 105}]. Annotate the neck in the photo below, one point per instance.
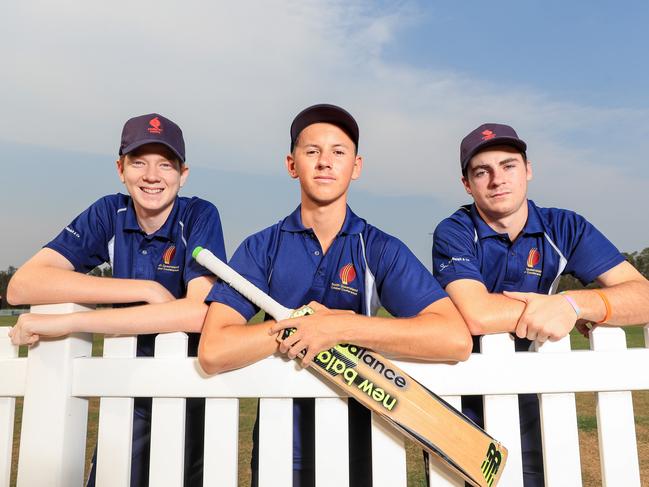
[
  {"x": 511, "y": 224},
  {"x": 152, "y": 222},
  {"x": 326, "y": 221}
]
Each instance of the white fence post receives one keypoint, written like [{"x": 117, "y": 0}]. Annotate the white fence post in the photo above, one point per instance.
[
  {"x": 221, "y": 454},
  {"x": 331, "y": 442},
  {"x": 115, "y": 431},
  {"x": 559, "y": 427},
  {"x": 53, "y": 435},
  {"x": 388, "y": 454},
  {"x": 275, "y": 442},
  {"x": 501, "y": 415},
  {"x": 7, "y": 411},
  {"x": 615, "y": 422},
  {"x": 168, "y": 421}
]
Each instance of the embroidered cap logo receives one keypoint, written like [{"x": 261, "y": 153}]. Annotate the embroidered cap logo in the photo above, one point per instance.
[
  {"x": 488, "y": 134},
  {"x": 156, "y": 126}
]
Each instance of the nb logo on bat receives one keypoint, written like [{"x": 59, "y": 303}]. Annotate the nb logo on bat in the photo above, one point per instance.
[{"x": 491, "y": 464}]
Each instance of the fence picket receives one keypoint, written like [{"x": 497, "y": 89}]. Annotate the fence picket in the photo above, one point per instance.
[
  {"x": 221, "y": 442},
  {"x": 331, "y": 442},
  {"x": 115, "y": 429},
  {"x": 168, "y": 422},
  {"x": 7, "y": 411},
  {"x": 501, "y": 414},
  {"x": 388, "y": 455},
  {"x": 615, "y": 422},
  {"x": 275, "y": 442},
  {"x": 559, "y": 428}
]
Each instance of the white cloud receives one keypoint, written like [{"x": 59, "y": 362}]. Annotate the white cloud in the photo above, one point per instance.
[{"x": 235, "y": 73}]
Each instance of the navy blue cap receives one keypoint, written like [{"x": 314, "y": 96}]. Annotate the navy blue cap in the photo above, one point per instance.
[
  {"x": 488, "y": 135},
  {"x": 152, "y": 129},
  {"x": 324, "y": 113}
]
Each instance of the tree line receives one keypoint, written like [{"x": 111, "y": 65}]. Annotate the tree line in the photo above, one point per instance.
[{"x": 639, "y": 260}]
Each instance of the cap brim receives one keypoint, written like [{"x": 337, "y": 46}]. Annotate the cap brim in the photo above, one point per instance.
[
  {"x": 508, "y": 141},
  {"x": 140, "y": 143}
]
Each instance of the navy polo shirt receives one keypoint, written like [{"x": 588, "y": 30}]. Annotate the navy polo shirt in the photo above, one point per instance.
[
  {"x": 363, "y": 269},
  {"x": 108, "y": 231},
  {"x": 553, "y": 242}
]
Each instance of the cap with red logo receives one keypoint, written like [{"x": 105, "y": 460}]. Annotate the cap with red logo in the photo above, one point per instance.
[
  {"x": 324, "y": 113},
  {"x": 488, "y": 135},
  {"x": 152, "y": 129}
]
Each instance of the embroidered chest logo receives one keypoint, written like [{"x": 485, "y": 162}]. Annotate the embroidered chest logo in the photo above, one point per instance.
[
  {"x": 167, "y": 258},
  {"x": 347, "y": 275},
  {"x": 533, "y": 259},
  {"x": 156, "y": 126}
]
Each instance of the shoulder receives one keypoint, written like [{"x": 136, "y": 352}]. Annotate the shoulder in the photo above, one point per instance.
[
  {"x": 194, "y": 207},
  {"x": 458, "y": 222},
  {"x": 560, "y": 221}
]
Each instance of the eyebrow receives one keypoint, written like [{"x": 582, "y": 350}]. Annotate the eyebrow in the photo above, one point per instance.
[{"x": 500, "y": 163}]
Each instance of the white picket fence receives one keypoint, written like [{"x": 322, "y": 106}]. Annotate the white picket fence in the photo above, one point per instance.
[{"x": 59, "y": 375}]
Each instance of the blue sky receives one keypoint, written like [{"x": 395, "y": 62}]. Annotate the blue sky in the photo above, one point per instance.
[{"x": 571, "y": 77}]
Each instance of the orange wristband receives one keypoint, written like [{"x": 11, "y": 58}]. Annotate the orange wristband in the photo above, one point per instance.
[{"x": 609, "y": 311}]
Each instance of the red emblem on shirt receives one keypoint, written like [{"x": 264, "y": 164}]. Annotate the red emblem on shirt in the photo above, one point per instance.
[
  {"x": 347, "y": 274},
  {"x": 533, "y": 257},
  {"x": 168, "y": 256}
]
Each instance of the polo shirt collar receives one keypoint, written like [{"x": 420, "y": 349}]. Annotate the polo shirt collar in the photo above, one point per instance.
[
  {"x": 533, "y": 225},
  {"x": 352, "y": 225},
  {"x": 164, "y": 232}
]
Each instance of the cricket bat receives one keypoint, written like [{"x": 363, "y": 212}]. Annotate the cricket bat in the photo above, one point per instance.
[{"x": 388, "y": 391}]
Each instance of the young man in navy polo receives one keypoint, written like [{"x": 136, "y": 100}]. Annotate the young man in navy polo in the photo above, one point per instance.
[
  {"x": 500, "y": 260},
  {"x": 324, "y": 255},
  {"x": 147, "y": 238}
]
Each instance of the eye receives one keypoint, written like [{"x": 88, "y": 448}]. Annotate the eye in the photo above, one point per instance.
[
  {"x": 137, "y": 163},
  {"x": 510, "y": 165},
  {"x": 311, "y": 152},
  {"x": 339, "y": 152},
  {"x": 166, "y": 165},
  {"x": 479, "y": 173}
]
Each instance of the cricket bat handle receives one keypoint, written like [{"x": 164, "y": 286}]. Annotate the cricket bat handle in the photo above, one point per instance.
[{"x": 223, "y": 271}]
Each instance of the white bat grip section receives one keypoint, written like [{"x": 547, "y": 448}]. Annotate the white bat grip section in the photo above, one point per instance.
[{"x": 211, "y": 262}]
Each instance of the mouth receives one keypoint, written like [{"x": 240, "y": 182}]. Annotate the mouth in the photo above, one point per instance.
[
  {"x": 151, "y": 190},
  {"x": 325, "y": 179},
  {"x": 499, "y": 195}
]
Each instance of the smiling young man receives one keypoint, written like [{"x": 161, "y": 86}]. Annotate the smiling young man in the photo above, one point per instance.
[
  {"x": 147, "y": 237},
  {"x": 324, "y": 255},
  {"x": 500, "y": 260}
]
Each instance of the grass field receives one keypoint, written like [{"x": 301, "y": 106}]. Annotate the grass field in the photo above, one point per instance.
[{"x": 585, "y": 409}]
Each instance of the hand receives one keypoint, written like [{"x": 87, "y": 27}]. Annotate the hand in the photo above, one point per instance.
[
  {"x": 313, "y": 333},
  {"x": 585, "y": 327},
  {"x": 545, "y": 317},
  {"x": 30, "y": 327},
  {"x": 157, "y": 293}
]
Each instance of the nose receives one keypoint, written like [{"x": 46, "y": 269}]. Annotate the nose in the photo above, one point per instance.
[
  {"x": 151, "y": 173},
  {"x": 497, "y": 177},
  {"x": 324, "y": 161}
]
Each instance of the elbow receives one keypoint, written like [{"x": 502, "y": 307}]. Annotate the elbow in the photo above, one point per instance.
[
  {"x": 476, "y": 326},
  {"x": 210, "y": 359},
  {"x": 461, "y": 347},
  {"x": 14, "y": 294}
]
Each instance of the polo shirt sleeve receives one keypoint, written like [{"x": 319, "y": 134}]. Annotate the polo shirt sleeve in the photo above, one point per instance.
[
  {"x": 454, "y": 253},
  {"x": 249, "y": 260},
  {"x": 404, "y": 285},
  {"x": 84, "y": 242},
  {"x": 204, "y": 230},
  {"x": 590, "y": 253}
]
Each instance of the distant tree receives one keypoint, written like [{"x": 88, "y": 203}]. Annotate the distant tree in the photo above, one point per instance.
[
  {"x": 639, "y": 260},
  {"x": 4, "y": 282}
]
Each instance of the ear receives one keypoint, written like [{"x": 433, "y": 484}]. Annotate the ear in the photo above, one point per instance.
[
  {"x": 184, "y": 173},
  {"x": 358, "y": 167},
  {"x": 528, "y": 168},
  {"x": 465, "y": 183},
  {"x": 290, "y": 166},
  {"x": 120, "y": 170}
]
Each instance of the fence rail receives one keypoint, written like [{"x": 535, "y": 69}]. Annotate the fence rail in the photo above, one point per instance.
[{"x": 58, "y": 376}]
